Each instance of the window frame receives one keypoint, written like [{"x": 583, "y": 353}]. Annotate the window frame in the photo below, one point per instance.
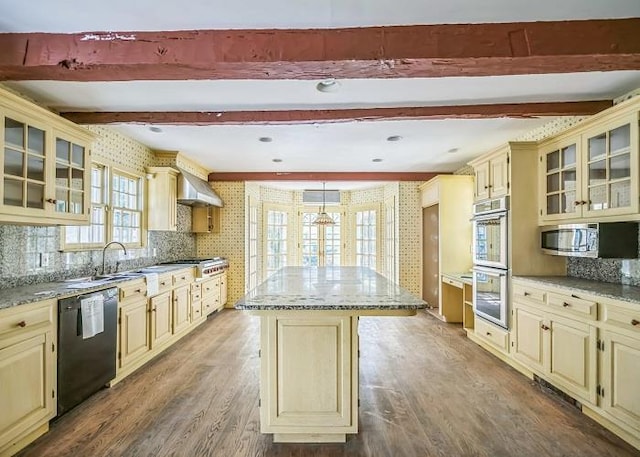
[{"x": 108, "y": 174}]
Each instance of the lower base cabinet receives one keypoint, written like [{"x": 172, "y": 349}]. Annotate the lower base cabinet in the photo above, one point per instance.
[
  {"x": 181, "y": 309},
  {"x": 620, "y": 387},
  {"x": 134, "y": 332},
  {"x": 27, "y": 373},
  {"x": 161, "y": 312}
]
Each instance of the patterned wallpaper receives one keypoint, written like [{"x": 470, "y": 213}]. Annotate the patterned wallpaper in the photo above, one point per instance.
[
  {"x": 230, "y": 242},
  {"x": 553, "y": 127},
  {"x": 410, "y": 233}
]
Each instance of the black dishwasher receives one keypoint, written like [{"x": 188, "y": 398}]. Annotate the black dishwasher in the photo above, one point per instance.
[{"x": 86, "y": 348}]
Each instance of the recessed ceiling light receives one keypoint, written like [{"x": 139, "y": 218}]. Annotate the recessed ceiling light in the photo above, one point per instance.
[
  {"x": 394, "y": 138},
  {"x": 265, "y": 139},
  {"x": 155, "y": 129},
  {"x": 328, "y": 85},
  {"x": 276, "y": 160},
  {"x": 376, "y": 160},
  {"x": 452, "y": 150}
]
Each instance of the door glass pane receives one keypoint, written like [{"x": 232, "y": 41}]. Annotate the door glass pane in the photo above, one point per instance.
[
  {"x": 597, "y": 172},
  {"x": 35, "y": 168},
  {"x": 36, "y": 141},
  {"x": 620, "y": 166},
  {"x": 13, "y": 162},
  {"x": 77, "y": 155},
  {"x": 13, "y": 192},
  {"x": 553, "y": 160},
  {"x": 598, "y": 198},
  {"x": 76, "y": 203},
  {"x": 620, "y": 194},
  {"x": 569, "y": 156},
  {"x": 553, "y": 182},
  {"x": 35, "y": 195},
  {"x": 13, "y": 132},
  {"x": 569, "y": 202},
  {"x": 569, "y": 179},
  {"x": 77, "y": 179},
  {"x": 619, "y": 138},
  {"x": 553, "y": 204},
  {"x": 597, "y": 146},
  {"x": 62, "y": 202},
  {"x": 62, "y": 175},
  {"x": 62, "y": 150}
]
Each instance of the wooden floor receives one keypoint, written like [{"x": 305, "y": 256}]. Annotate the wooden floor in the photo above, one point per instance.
[{"x": 425, "y": 390}]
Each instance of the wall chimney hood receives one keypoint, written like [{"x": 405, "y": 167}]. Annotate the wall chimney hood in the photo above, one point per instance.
[{"x": 194, "y": 191}]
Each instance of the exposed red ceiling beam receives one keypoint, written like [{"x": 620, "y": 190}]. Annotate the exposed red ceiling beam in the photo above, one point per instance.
[
  {"x": 322, "y": 176},
  {"x": 370, "y": 52},
  {"x": 513, "y": 110}
]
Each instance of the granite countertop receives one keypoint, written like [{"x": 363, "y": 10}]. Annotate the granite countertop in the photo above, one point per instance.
[
  {"x": 620, "y": 292},
  {"x": 43, "y": 291},
  {"x": 466, "y": 278},
  {"x": 328, "y": 288}
]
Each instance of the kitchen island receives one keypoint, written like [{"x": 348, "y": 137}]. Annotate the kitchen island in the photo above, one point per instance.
[{"x": 309, "y": 346}]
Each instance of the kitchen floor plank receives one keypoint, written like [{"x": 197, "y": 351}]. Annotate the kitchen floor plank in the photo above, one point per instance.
[{"x": 425, "y": 390}]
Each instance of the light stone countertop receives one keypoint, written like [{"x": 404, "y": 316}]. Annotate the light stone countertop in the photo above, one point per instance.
[
  {"x": 630, "y": 294},
  {"x": 328, "y": 288},
  {"x": 22, "y": 295}
]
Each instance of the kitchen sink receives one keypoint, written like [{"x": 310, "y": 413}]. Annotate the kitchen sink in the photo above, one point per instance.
[{"x": 89, "y": 281}]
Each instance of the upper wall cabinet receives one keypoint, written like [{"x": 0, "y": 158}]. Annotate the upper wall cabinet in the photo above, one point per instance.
[
  {"x": 45, "y": 161},
  {"x": 163, "y": 195},
  {"x": 491, "y": 175},
  {"x": 591, "y": 172}
]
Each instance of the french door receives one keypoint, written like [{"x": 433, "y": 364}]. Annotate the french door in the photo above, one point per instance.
[{"x": 320, "y": 245}]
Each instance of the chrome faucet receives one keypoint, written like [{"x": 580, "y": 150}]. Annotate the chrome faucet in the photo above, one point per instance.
[{"x": 105, "y": 248}]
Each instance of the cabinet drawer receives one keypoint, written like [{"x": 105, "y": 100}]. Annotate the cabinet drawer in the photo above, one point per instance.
[
  {"x": 196, "y": 291},
  {"x": 183, "y": 277},
  {"x": 452, "y": 282},
  {"x": 165, "y": 282},
  {"x": 531, "y": 294},
  {"x": 628, "y": 319},
  {"x": 573, "y": 305},
  {"x": 24, "y": 317},
  {"x": 211, "y": 287},
  {"x": 496, "y": 336},
  {"x": 132, "y": 290}
]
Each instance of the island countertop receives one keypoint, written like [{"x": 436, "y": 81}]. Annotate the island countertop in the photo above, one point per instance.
[{"x": 328, "y": 288}]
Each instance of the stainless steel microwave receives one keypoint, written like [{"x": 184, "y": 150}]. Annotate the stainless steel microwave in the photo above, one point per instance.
[{"x": 613, "y": 240}]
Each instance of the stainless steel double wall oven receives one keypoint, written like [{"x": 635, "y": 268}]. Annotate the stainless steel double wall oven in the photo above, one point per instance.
[{"x": 491, "y": 260}]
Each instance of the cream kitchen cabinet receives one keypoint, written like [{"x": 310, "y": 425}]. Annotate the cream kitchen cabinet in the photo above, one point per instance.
[
  {"x": 205, "y": 219},
  {"x": 555, "y": 336},
  {"x": 491, "y": 175},
  {"x": 196, "y": 302},
  {"x": 161, "y": 317},
  {"x": 223, "y": 289},
  {"x": 46, "y": 164},
  {"x": 133, "y": 324},
  {"x": 181, "y": 309},
  {"x": 162, "y": 200},
  {"x": 27, "y": 373},
  {"x": 591, "y": 172}
]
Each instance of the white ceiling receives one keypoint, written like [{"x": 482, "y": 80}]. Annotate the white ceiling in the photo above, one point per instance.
[
  {"x": 122, "y": 15},
  {"x": 338, "y": 146}
]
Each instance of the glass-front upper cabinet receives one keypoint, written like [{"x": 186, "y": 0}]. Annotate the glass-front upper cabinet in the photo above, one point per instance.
[
  {"x": 610, "y": 178},
  {"x": 560, "y": 171},
  {"x": 45, "y": 164},
  {"x": 592, "y": 174}
]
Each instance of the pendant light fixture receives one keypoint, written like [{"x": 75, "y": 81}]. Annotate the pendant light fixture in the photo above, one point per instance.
[{"x": 323, "y": 218}]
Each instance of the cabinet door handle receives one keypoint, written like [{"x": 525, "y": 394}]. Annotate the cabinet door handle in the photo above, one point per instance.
[
  {"x": 22, "y": 324},
  {"x": 577, "y": 202},
  {"x": 488, "y": 333},
  {"x": 526, "y": 294},
  {"x": 544, "y": 327},
  {"x": 138, "y": 291},
  {"x": 565, "y": 304},
  {"x": 635, "y": 322},
  {"x": 52, "y": 201},
  {"x": 163, "y": 283}
]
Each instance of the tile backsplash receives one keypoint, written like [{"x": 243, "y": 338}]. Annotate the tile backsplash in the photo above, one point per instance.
[
  {"x": 30, "y": 255},
  {"x": 620, "y": 271}
]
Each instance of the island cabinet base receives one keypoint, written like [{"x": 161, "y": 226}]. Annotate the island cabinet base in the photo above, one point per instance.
[{"x": 309, "y": 376}]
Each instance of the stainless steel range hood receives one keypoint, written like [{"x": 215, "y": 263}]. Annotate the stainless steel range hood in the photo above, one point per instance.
[{"x": 194, "y": 191}]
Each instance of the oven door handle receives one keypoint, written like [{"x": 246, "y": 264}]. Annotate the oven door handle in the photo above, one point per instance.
[
  {"x": 489, "y": 217},
  {"x": 489, "y": 271}
]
